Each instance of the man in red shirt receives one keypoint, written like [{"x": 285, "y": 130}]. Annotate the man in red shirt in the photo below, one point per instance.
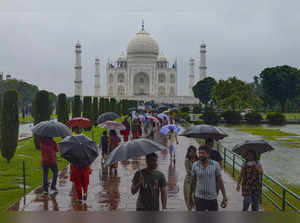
[{"x": 48, "y": 151}]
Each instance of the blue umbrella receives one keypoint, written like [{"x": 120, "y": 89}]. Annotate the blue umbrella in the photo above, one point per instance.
[
  {"x": 166, "y": 129},
  {"x": 162, "y": 116}
]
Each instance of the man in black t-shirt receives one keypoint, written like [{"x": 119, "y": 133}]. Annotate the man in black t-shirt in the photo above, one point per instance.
[{"x": 214, "y": 154}]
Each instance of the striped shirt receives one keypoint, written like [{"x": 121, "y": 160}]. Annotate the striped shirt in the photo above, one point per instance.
[{"x": 206, "y": 179}]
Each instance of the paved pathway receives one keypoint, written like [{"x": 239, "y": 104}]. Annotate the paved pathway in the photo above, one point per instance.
[{"x": 113, "y": 193}]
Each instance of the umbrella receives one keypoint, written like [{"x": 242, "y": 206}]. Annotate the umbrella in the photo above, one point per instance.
[
  {"x": 204, "y": 132},
  {"x": 79, "y": 122},
  {"x": 153, "y": 119},
  {"x": 51, "y": 129},
  {"x": 141, "y": 117},
  {"x": 134, "y": 148},
  {"x": 78, "y": 150},
  {"x": 107, "y": 116},
  {"x": 166, "y": 128},
  {"x": 259, "y": 146},
  {"x": 162, "y": 116},
  {"x": 112, "y": 125}
]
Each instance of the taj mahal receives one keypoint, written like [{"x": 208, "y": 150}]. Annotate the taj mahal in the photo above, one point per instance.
[{"x": 143, "y": 73}]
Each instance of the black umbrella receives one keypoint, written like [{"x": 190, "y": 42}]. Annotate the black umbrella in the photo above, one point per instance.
[
  {"x": 204, "y": 132},
  {"x": 78, "y": 150},
  {"x": 134, "y": 148},
  {"x": 107, "y": 116},
  {"x": 258, "y": 146},
  {"x": 51, "y": 129}
]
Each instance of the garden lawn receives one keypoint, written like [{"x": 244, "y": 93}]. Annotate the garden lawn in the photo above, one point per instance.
[
  {"x": 11, "y": 180},
  {"x": 290, "y": 139}
]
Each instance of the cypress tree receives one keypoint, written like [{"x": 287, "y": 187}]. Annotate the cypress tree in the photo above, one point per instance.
[
  {"x": 95, "y": 110},
  {"x": 87, "y": 107},
  {"x": 41, "y": 111},
  {"x": 112, "y": 105},
  {"x": 76, "y": 107},
  {"x": 101, "y": 106},
  {"x": 9, "y": 124},
  {"x": 106, "y": 105},
  {"x": 62, "y": 108}
]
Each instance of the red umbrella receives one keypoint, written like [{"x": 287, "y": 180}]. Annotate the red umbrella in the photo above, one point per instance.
[
  {"x": 153, "y": 119},
  {"x": 79, "y": 122}
]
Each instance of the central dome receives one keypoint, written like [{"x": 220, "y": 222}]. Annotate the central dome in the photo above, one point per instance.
[{"x": 142, "y": 45}]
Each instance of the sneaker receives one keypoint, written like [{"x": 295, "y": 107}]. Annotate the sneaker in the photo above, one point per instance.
[
  {"x": 54, "y": 190},
  {"x": 85, "y": 197}
]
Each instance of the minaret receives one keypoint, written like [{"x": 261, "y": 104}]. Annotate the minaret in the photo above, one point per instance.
[
  {"x": 191, "y": 76},
  {"x": 78, "y": 80},
  {"x": 202, "y": 61},
  {"x": 97, "y": 77}
]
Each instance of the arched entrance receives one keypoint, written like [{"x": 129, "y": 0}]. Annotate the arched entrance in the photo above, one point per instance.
[{"x": 141, "y": 84}]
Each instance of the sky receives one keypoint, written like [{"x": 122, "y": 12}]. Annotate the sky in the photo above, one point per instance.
[{"x": 37, "y": 37}]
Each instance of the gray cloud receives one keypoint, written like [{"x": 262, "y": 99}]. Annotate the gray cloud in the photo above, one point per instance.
[{"x": 243, "y": 37}]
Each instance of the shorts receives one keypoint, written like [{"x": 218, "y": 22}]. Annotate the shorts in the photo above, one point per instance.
[
  {"x": 203, "y": 205},
  {"x": 172, "y": 149}
]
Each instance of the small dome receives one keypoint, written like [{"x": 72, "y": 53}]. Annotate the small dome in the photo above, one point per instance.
[
  {"x": 203, "y": 45},
  {"x": 143, "y": 43},
  {"x": 122, "y": 57},
  {"x": 78, "y": 44}
]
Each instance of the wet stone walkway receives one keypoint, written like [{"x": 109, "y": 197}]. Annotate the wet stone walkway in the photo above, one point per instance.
[{"x": 109, "y": 193}]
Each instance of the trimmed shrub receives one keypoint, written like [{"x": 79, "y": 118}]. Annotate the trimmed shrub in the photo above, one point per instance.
[
  {"x": 276, "y": 118},
  {"x": 210, "y": 117},
  {"x": 232, "y": 117},
  {"x": 87, "y": 107},
  {"x": 76, "y": 107},
  {"x": 9, "y": 124},
  {"x": 42, "y": 109},
  {"x": 61, "y": 108},
  {"x": 253, "y": 118},
  {"x": 95, "y": 111},
  {"x": 101, "y": 106}
]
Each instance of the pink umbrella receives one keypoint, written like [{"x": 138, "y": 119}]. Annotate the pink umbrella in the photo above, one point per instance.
[
  {"x": 153, "y": 119},
  {"x": 112, "y": 125}
]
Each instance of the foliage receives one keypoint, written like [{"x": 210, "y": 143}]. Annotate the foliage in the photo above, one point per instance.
[
  {"x": 112, "y": 105},
  {"x": 197, "y": 122},
  {"x": 76, "y": 111},
  {"x": 276, "y": 118},
  {"x": 281, "y": 83},
  {"x": 253, "y": 118},
  {"x": 185, "y": 109},
  {"x": 95, "y": 112},
  {"x": 196, "y": 109},
  {"x": 87, "y": 107},
  {"x": 62, "y": 108},
  {"x": 101, "y": 106},
  {"x": 210, "y": 116},
  {"x": 203, "y": 90},
  {"x": 184, "y": 115},
  {"x": 232, "y": 117},
  {"x": 233, "y": 94},
  {"x": 9, "y": 124}
]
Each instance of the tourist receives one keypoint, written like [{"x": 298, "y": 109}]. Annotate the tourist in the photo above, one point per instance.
[
  {"x": 204, "y": 173},
  {"x": 250, "y": 178},
  {"x": 80, "y": 177},
  {"x": 49, "y": 149},
  {"x": 214, "y": 154},
  {"x": 150, "y": 182},
  {"x": 76, "y": 131},
  {"x": 172, "y": 139},
  {"x": 190, "y": 158},
  {"x": 126, "y": 131},
  {"x": 113, "y": 142},
  {"x": 136, "y": 128},
  {"x": 104, "y": 146},
  {"x": 165, "y": 121}
]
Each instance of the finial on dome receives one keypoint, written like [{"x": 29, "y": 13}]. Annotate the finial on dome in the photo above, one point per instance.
[{"x": 143, "y": 25}]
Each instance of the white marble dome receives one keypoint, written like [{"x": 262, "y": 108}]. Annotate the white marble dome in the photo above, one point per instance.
[{"x": 143, "y": 44}]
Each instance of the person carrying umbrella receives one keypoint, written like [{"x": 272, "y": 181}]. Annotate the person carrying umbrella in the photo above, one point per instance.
[
  {"x": 250, "y": 178},
  {"x": 113, "y": 142},
  {"x": 136, "y": 128},
  {"x": 125, "y": 132},
  {"x": 48, "y": 154},
  {"x": 104, "y": 146},
  {"x": 149, "y": 182}
]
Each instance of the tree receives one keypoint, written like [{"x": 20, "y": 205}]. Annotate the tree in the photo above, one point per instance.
[
  {"x": 112, "y": 105},
  {"x": 203, "y": 90},
  {"x": 281, "y": 83},
  {"x": 76, "y": 107},
  {"x": 62, "y": 108},
  {"x": 41, "y": 111},
  {"x": 87, "y": 107},
  {"x": 9, "y": 124},
  {"x": 101, "y": 106},
  {"x": 233, "y": 94},
  {"x": 95, "y": 110}
]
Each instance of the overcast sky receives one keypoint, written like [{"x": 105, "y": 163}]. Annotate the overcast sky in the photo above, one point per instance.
[{"x": 37, "y": 37}]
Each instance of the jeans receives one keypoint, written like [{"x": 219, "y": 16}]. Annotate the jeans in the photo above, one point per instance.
[
  {"x": 203, "y": 205},
  {"x": 54, "y": 170},
  {"x": 253, "y": 200}
]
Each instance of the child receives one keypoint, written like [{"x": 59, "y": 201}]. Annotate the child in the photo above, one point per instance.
[{"x": 81, "y": 177}]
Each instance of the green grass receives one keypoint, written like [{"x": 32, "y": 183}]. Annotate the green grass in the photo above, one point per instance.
[
  {"x": 11, "y": 181},
  {"x": 289, "y": 139},
  {"x": 29, "y": 118}
]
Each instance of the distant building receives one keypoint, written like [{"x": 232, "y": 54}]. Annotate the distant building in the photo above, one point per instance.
[
  {"x": 1, "y": 76},
  {"x": 8, "y": 77}
]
